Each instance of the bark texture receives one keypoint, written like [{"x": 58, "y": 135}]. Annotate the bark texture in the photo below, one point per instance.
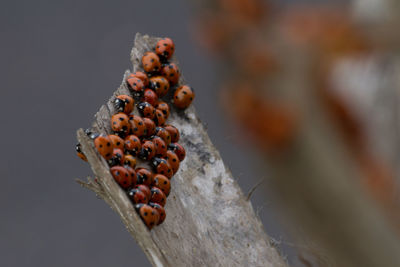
[{"x": 209, "y": 220}]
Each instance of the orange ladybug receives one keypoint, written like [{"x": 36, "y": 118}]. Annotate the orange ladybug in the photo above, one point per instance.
[
  {"x": 122, "y": 176},
  {"x": 163, "y": 183},
  {"x": 159, "y": 118},
  {"x": 171, "y": 72},
  {"x": 162, "y": 166},
  {"x": 80, "y": 153},
  {"x": 146, "y": 110},
  {"x": 173, "y": 160},
  {"x": 130, "y": 161},
  {"x": 145, "y": 189},
  {"x": 120, "y": 124},
  {"x": 141, "y": 75},
  {"x": 144, "y": 176},
  {"x": 135, "y": 84},
  {"x": 138, "y": 127},
  {"x": 137, "y": 196},
  {"x": 165, "y": 48},
  {"x": 160, "y": 210},
  {"x": 117, "y": 141},
  {"x": 150, "y": 96},
  {"x": 124, "y": 103},
  {"x": 178, "y": 149},
  {"x": 160, "y": 85},
  {"x": 164, "y": 134},
  {"x": 104, "y": 146},
  {"x": 150, "y": 126},
  {"x": 183, "y": 97},
  {"x": 151, "y": 62},
  {"x": 158, "y": 196},
  {"x": 161, "y": 147},
  {"x": 173, "y": 132},
  {"x": 148, "y": 150},
  {"x": 117, "y": 158},
  {"x": 164, "y": 107},
  {"x": 149, "y": 215},
  {"x": 132, "y": 145}
]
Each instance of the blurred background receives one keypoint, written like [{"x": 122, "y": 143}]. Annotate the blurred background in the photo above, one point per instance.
[{"x": 301, "y": 95}]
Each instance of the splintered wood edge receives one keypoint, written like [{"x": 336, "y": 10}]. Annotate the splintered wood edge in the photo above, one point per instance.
[{"x": 209, "y": 220}]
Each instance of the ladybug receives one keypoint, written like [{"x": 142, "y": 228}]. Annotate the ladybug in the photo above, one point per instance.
[
  {"x": 158, "y": 196},
  {"x": 120, "y": 124},
  {"x": 161, "y": 166},
  {"x": 124, "y": 103},
  {"x": 150, "y": 126},
  {"x": 146, "y": 110},
  {"x": 160, "y": 85},
  {"x": 104, "y": 146},
  {"x": 178, "y": 149},
  {"x": 160, "y": 210},
  {"x": 173, "y": 160},
  {"x": 137, "y": 196},
  {"x": 173, "y": 132},
  {"x": 145, "y": 189},
  {"x": 117, "y": 158},
  {"x": 122, "y": 176},
  {"x": 132, "y": 172},
  {"x": 117, "y": 141},
  {"x": 165, "y": 48},
  {"x": 80, "y": 153},
  {"x": 135, "y": 84},
  {"x": 151, "y": 62},
  {"x": 159, "y": 118},
  {"x": 161, "y": 147},
  {"x": 132, "y": 145},
  {"x": 130, "y": 161},
  {"x": 150, "y": 96},
  {"x": 138, "y": 127},
  {"x": 144, "y": 176},
  {"x": 171, "y": 72},
  {"x": 164, "y": 107},
  {"x": 162, "y": 182},
  {"x": 164, "y": 134},
  {"x": 148, "y": 150},
  {"x": 183, "y": 97},
  {"x": 141, "y": 75},
  {"x": 149, "y": 215}
]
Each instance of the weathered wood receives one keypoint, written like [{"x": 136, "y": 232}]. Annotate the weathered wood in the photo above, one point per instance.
[{"x": 209, "y": 220}]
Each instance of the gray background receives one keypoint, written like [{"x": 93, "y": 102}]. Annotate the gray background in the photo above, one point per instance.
[{"x": 59, "y": 61}]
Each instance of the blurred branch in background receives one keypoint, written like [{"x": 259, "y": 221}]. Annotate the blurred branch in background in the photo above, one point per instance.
[{"x": 316, "y": 88}]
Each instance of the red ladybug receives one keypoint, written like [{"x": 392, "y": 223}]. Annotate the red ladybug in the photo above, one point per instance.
[
  {"x": 165, "y": 48},
  {"x": 117, "y": 158},
  {"x": 183, "y": 97},
  {"x": 124, "y": 103},
  {"x": 162, "y": 166},
  {"x": 138, "y": 127},
  {"x": 173, "y": 132},
  {"x": 150, "y": 126},
  {"x": 132, "y": 144},
  {"x": 150, "y": 96},
  {"x": 135, "y": 84},
  {"x": 164, "y": 134},
  {"x": 122, "y": 176},
  {"x": 158, "y": 196},
  {"x": 160, "y": 85},
  {"x": 160, "y": 210},
  {"x": 130, "y": 161},
  {"x": 120, "y": 124},
  {"x": 80, "y": 153},
  {"x": 171, "y": 72},
  {"x": 163, "y": 183},
  {"x": 104, "y": 146},
  {"x": 141, "y": 75},
  {"x": 137, "y": 196},
  {"x": 145, "y": 189},
  {"x": 178, "y": 149},
  {"x": 148, "y": 150},
  {"x": 149, "y": 215},
  {"x": 159, "y": 118},
  {"x": 164, "y": 107},
  {"x": 146, "y": 110},
  {"x": 117, "y": 141},
  {"x": 144, "y": 176},
  {"x": 173, "y": 160},
  {"x": 132, "y": 172},
  {"x": 161, "y": 147},
  {"x": 151, "y": 62}
]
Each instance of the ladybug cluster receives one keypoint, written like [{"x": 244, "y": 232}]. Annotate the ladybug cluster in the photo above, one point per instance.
[{"x": 144, "y": 138}]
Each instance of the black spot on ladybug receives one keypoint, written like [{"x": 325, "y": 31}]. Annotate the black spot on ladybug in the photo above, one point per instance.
[
  {"x": 108, "y": 144},
  {"x": 121, "y": 119},
  {"x": 174, "y": 160},
  {"x": 118, "y": 143},
  {"x": 145, "y": 213}
]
